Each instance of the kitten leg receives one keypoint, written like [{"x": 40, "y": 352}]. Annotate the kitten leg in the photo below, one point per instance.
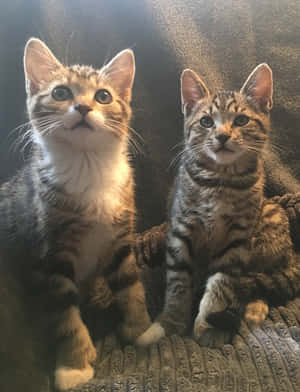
[
  {"x": 75, "y": 350},
  {"x": 217, "y": 297},
  {"x": 256, "y": 312},
  {"x": 176, "y": 314},
  {"x": 129, "y": 294},
  {"x": 75, "y": 354}
]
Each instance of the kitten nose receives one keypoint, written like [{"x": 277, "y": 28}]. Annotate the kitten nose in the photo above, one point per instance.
[
  {"x": 222, "y": 137},
  {"x": 82, "y": 109}
]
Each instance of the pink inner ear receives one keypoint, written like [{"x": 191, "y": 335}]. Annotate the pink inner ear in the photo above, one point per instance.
[
  {"x": 263, "y": 89},
  {"x": 120, "y": 72},
  {"x": 190, "y": 92},
  {"x": 192, "y": 89},
  {"x": 259, "y": 86}
]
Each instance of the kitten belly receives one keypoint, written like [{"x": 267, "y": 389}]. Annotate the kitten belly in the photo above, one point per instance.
[{"x": 95, "y": 248}]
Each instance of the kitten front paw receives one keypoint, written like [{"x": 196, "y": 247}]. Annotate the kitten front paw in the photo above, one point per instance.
[
  {"x": 209, "y": 336},
  {"x": 256, "y": 312},
  {"x": 67, "y": 377},
  {"x": 152, "y": 335}
]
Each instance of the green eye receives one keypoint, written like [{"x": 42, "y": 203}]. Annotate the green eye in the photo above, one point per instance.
[
  {"x": 206, "y": 122},
  {"x": 241, "y": 120},
  {"x": 103, "y": 96},
  {"x": 61, "y": 93}
]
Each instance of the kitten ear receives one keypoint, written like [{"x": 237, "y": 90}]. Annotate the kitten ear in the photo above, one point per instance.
[
  {"x": 39, "y": 65},
  {"x": 192, "y": 90},
  {"x": 259, "y": 86},
  {"x": 120, "y": 73}
]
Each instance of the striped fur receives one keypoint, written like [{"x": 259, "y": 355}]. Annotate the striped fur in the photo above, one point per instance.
[
  {"x": 71, "y": 209},
  {"x": 224, "y": 236}
]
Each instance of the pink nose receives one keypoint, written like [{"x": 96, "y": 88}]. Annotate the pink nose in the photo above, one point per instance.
[{"x": 82, "y": 109}]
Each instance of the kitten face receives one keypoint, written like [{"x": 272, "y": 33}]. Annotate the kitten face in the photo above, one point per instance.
[
  {"x": 78, "y": 104},
  {"x": 226, "y": 126}
]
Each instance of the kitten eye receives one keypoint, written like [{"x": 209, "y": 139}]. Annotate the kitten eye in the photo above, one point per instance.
[
  {"x": 61, "y": 93},
  {"x": 206, "y": 122},
  {"x": 241, "y": 120},
  {"x": 103, "y": 96}
]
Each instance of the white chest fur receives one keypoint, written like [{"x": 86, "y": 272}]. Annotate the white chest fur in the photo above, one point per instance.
[{"x": 95, "y": 180}]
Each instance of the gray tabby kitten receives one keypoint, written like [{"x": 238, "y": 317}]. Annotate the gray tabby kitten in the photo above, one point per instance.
[
  {"x": 70, "y": 212},
  {"x": 224, "y": 236}
]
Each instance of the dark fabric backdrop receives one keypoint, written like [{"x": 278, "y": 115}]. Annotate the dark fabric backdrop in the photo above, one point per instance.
[{"x": 223, "y": 40}]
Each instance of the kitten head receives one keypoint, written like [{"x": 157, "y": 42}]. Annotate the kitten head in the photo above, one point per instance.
[
  {"x": 78, "y": 105},
  {"x": 228, "y": 125}
]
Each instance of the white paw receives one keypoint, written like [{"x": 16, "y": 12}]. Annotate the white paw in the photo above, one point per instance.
[
  {"x": 66, "y": 377},
  {"x": 151, "y": 335}
]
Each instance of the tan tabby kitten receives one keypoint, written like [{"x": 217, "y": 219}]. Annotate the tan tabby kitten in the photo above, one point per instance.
[
  {"x": 71, "y": 209},
  {"x": 224, "y": 236}
]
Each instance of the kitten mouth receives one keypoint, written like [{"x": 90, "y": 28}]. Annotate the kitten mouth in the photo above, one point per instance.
[
  {"x": 223, "y": 149},
  {"x": 81, "y": 124}
]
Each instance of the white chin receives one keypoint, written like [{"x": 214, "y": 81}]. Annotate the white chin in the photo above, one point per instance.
[
  {"x": 223, "y": 157},
  {"x": 85, "y": 139}
]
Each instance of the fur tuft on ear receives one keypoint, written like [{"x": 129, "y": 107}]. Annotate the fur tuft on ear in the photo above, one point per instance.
[
  {"x": 120, "y": 72},
  {"x": 259, "y": 87},
  {"x": 39, "y": 65},
  {"x": 192, "y": 90}
]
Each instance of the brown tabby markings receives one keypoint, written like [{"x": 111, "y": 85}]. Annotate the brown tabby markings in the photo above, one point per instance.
[
  {"x": 223, "y": 234},
  {"x": 71, "y": 210}
]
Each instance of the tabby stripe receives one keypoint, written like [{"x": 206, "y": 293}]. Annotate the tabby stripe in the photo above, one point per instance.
[
  {"x": 243, "y": 183},
  {"x": 122, "y": 282},
  {"x": 230, "y": 103},
  {"x": 215, "y": 102},
  {"x": 288, "y": 285},
  {"x": 288, "y": 289},
  {"x": 260, "y": 124},
  {"x": 184, "y": 223},
  {"x": 180, "y": 266},
  {"x": 173, "y": 252},
  {"x": 126, "y": 231},
  {"x": 184, "y": 238},
  {"x": 92, "y": 74},
  {"x": 178, "y": 286},
  {"x": 117, "y": 260},
  {"x": 232, "y": 267},
  {"x": 123, "y": 107},
  {"x": 273, "y": 210},
  {"x": 281, "y": 291},
  {"x": 237, "y": 226},
  {"x": 256, "y": 290},
  {"x": 232, "y": 245}
]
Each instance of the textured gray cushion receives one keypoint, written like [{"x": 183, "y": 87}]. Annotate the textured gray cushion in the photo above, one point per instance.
[{"x": 260, "y": 359}]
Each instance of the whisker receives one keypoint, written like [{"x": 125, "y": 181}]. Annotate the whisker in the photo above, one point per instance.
[{"x": 131, "y": 135}]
